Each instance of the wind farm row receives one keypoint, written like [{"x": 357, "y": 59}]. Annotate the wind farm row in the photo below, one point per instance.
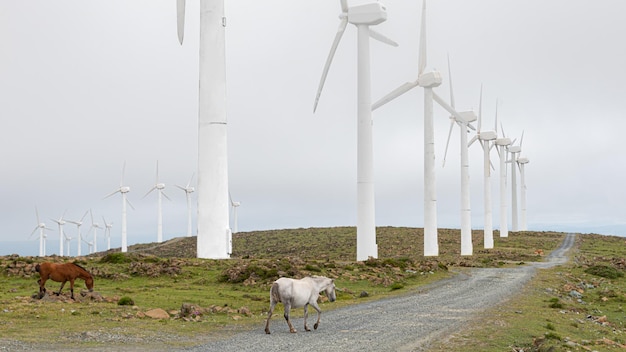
[{"x": 91, "y": 239}]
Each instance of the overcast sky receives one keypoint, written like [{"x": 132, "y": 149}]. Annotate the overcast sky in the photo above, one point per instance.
[{"x": 88, "y": 85}]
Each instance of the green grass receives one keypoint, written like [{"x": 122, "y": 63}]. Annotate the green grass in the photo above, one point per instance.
[{"x": 224, "y": 291}]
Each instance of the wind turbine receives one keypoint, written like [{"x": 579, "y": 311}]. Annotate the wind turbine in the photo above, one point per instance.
[
  {"x": 502, "y": 145},
  {"x": 123, "y": 190},
  {"x": 78, "y": 225},
  {"x": 234, "y": 206},
  {"x": 213, "y": 222},
  {"x": 514, "y": 151},
  {"x": 521, "y": 162},
  {"x": 107, "y": 231},
  {"x": 463, "y": 121},
  {"x": 89, "y": 246},
  {"x": 60, "y": 222},
  {"x": 68, "y": 240},
  {"x": 428, "y": 81},
  {"x": 42, "y": 234},
  {"x": 158, "y": 186},
  {"x": 487, "y": 140},
  {"x": 362, "y": 16},
  {"x": 95, "y": 226},
  {"x": 188, "y": 191}
]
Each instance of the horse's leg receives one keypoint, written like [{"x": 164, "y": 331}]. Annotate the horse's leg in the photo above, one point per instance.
[
  {"x": 61, "y": 288},
  {"x": 306, "y": 314},
  {"x": 71, "y": 289},
  {"x": 319, "y": 313},
  {"x": 287, "y": 309},
  {"x": 42, "y": 287},
  {"x": 269, "y": 316}
]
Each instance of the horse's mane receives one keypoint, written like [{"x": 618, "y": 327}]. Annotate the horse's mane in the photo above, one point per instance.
[{"x": 82, "y": 268}]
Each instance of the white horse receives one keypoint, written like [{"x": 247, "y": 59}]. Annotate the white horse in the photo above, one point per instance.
[{"x": 299, "y": 293}]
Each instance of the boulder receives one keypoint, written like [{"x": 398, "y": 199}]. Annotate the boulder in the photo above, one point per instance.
[{"x": 157, "y": 313}]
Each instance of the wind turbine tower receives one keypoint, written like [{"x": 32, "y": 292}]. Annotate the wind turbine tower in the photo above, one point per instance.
[
  {"x": 514, "y": 151},
  {"x": 188, "y": 191},
  {"x": 79, "y": 236},
  {"x": 464, "y": 120},
  {"x": 123, "y": 190},
  {"x": 60, "y": 221},
  {"x": 503, "y": 144},
  {"x": 42, "y": 234},
  {"x": 95, "y": 226},
  {"x": 362, "y": 16},
  {"x": 487, "y": 141},
  {"x": 107, "y": 232},
  {"x": 428, "y": 81},
  {"x": 521, "y": 162},
  {"x": 159, "y": 187},
  {"x": 234, "y": 205},
  {"x": 214, "y": 235}
]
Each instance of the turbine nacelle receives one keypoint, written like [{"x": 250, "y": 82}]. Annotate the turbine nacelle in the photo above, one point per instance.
[
  {"x": 523, "y": 160},
  {"x": 468, "y": 116},
  {"x": 503, "y": 141},
  {"x": 368, "y": 14},
  {"x": 160, "y": 186},
  {"x": 430, "y": 79},
  {"x": 515, "y": 149},
  {"x": 124, "y": 189},
  {"x": 487, "y": 135}
]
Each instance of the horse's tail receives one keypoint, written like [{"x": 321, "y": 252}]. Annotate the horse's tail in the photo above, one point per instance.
[
  {"x": 37, "y": 267},
  {"x": 274, "y": 293}
]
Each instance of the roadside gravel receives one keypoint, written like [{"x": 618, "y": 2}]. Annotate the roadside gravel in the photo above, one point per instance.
[{"x": 406, "y": 323}]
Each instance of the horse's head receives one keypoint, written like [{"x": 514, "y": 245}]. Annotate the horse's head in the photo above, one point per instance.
[
  {"x": 330, "y": 291},
  {"x": 89, "y": 283}
]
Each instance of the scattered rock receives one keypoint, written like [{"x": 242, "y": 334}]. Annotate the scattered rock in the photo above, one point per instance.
[{"x": 157, "y": 313}]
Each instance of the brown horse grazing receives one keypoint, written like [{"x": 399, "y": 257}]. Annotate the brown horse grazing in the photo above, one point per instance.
[{"x": 62, "y": 273}]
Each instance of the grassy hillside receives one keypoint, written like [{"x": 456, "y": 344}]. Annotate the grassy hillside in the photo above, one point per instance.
[{"x": 203, "y": 299}]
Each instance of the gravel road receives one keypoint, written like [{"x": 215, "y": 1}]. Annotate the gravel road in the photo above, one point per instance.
[{"x": 406, "y": 323}]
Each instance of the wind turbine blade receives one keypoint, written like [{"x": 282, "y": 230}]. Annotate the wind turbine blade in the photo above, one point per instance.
[
  {"x": 111, "y": 194},
  {"x": 165, "y": 195},
  {"x": 448, "y": 108},
  {"x": 180, "y": 19},
  {"x": 150, "y": 191},
  {"x": 333, "y": 49},
  {"x": 480, "y": 107},
  {"x": 474, "y": 140},
  {"x": 502, "y": 128},
  {"x": 381, "y": 38},
  {"x": 181, "y": 187},
  {"x": 450, "y": 80},
  {"x": 394, "y": 94},
  {"x": 123, "y": 172},
  {"x": 521, "y": 140},
  {"x": 37, "y": 213},
  {"x": 422, "y": 53},
  {"x": 81, "y": 219},
  {"x": 448, "y": 142},
  {"x": 32, "y": 233},
  {"x": 344, "y": 6},
  {"x": 129, "y": 203},
  {"x": 191, "y": 179},
  {"x": 157, "y": 173}
]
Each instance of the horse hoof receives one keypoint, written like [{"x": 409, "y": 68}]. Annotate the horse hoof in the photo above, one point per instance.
[
  {"x": 293, "y": 331},
  {"x": 267, "y": 331},
  {"x": 307, "y": 329},
  {"x": 315, "y": 326}
]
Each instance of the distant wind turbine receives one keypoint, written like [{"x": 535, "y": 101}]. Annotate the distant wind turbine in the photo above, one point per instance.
[
  {"x": 234, "y": 206},
  {"x": 514, "y": 151},
  {"x": 521, "y": 162},
  {"x": 487, "y": 141},
  {"x": 188, "y": 191},
  {"x": 95, "y": 226},
  {"x": 463, "y": 120},
  {"x": 68, "y": 240},
  {"x": 42, "y": 234},
  {"x": 214, "y": 236},
  {"x": 159, "y": 187},
  {"x": 123, "y": 190},
  {"x": 362, "y": 16},
  {"x": 107, "y": 231},
  {"x": 79, "y": 236},
  {"x": 502, "y": 145},
  {"x": 428, "y": 81},
  {"x": 60, "y": 221}
]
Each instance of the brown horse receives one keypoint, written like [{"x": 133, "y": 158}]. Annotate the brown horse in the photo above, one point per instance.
[{"x": 62, "y": 273}]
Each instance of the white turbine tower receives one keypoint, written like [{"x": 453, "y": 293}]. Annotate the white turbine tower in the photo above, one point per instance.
[
  {"x": 234, "y": 205},
  {"x": 487, "y": 140},
  {"x": 123, "y": 190},
  {"x": 42, "y": 234},
  {"x": 521, "y": 162},
  {"x": 68, "y": 240},
  {"x": 502, "y": 145},
  {"x": 463, "y": 120},
  {"x": 362, "y": 16},
  {"x": 428, "y": 81},
  {"x": 60, "y": 221},
  {"x": 214, "y": 235},
  {"x": 188, "y": 191},
  {"x": 95, "y": 226},
  {"x": 514, "y": 151},
  {"x": 159, "y": 186},
  {"x": 107, "y": 231},
  {"x": 79, "y": 236}
]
